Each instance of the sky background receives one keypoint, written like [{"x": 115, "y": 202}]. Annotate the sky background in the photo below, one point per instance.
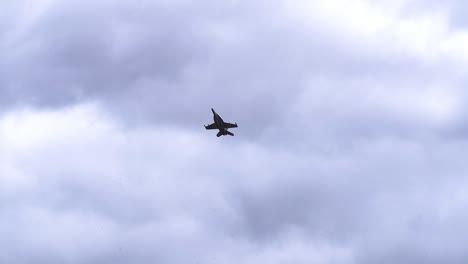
[{"x": 351, "y": 146}]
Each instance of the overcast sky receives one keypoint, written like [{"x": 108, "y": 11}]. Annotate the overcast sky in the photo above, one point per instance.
[{"x": 351, "y": 146}]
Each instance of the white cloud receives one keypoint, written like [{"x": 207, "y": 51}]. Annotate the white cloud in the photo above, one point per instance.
[
  {"x": 386, "y": 28},
  {"x": 78, "y": 186}
]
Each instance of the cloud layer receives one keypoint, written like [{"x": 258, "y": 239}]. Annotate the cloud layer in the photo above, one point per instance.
[{"x": 350, "y": 146}]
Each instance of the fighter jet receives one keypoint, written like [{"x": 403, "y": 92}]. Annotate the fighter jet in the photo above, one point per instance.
[{"x": 221, "y": 125}]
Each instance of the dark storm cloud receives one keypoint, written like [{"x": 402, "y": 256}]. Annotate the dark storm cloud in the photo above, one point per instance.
[
  {"x": 82, "y": 50},
  {"x": 152, "y": 60},
  {"x": 169, "y": 62}
]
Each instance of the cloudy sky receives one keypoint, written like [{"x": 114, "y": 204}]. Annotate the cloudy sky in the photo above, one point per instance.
[{"x": 351, "y": 144}]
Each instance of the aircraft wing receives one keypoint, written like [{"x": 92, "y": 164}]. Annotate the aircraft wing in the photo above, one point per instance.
[
  {"x": 229, "y": 125},
  {"x": 212, "y": 126}
]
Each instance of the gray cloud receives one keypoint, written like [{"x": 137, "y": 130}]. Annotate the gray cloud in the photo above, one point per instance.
[
  {"x": 137, "y": 57},
  {"x": 350, "y": 147}
]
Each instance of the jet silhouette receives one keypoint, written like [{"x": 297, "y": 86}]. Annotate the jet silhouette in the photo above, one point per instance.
[{"x": 220, "y": 125}]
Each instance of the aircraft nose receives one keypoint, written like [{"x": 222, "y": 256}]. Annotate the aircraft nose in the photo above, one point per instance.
[{"x": 212, "y": 110}]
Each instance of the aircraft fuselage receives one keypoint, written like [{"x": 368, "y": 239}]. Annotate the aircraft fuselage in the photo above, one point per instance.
[
  {"x": 220, "y": 125},
  {"x": 218, "y": 120}
]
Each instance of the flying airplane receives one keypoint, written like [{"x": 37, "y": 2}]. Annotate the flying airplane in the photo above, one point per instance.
[{"x": 221, "y": 125}]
